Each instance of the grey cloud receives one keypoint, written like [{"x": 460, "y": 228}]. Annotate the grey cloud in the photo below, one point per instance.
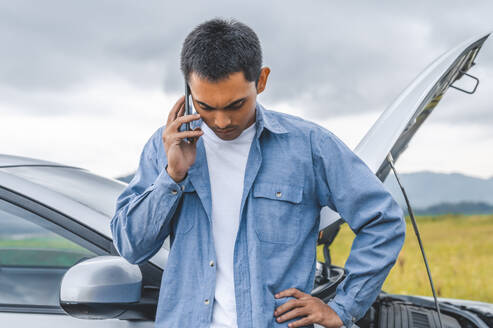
[{"x": 328, "y": 59}]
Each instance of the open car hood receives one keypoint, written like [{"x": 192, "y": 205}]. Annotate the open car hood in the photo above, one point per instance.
[{"x": 397, "y": 125}]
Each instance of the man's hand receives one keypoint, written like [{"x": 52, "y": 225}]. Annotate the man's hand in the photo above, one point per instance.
[
  {"x": 313, "y": 309},
  {"x": 180, "y": 154}
]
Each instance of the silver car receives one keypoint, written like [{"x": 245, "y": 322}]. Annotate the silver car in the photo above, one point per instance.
[{"x": 59, "y": 268}]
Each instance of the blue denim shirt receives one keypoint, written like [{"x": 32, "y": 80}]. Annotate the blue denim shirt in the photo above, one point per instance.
[{"x": 294, "y": 168}]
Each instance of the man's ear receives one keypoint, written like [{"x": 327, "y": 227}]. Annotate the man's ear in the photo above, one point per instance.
[{"x": 262, "y": 79}]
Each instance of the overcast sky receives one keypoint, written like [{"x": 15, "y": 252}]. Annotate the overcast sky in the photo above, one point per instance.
[{"x": 86, "y": 83}]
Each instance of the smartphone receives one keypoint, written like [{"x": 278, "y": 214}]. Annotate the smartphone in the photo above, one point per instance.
[
  {"x": 188, "y": 110},
  {"x": 187, "y": 105}
]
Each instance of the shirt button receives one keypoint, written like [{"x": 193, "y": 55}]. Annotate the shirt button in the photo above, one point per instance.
[
  {"x": 278, "y": 194},
  {"x": 354, "y": 319},
  {"x": 211, "y": 263},
  {"x": 174, "y": 192},
  {"x": 182, "y": 187},
  {"x": 206, "y": 301}
]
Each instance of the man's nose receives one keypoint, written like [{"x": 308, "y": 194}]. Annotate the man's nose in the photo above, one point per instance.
[{"x": 222, "y": 120}]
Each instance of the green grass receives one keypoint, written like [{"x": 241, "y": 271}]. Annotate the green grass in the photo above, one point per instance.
[
  {"x": 39, "y": 242},
  {"x": 459, "y": 250},
  {"x": 41, "y": 251}
]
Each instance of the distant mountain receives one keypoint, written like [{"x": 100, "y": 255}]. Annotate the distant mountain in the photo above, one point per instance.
[
  {"x": 426, "y": 189},
  {"x": 436, "y": 193},
  {"x": 458, "y": 208}
]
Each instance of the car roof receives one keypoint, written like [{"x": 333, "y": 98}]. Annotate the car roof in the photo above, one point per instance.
[
  {"x": 14, "y": 160},
  {"x": 65, "y": 188}
]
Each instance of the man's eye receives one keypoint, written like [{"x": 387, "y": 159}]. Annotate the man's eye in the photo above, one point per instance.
[{"x": 236, "y": 106}]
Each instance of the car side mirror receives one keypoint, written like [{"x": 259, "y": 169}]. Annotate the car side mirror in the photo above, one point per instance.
[{"x": 103, "y": 287}]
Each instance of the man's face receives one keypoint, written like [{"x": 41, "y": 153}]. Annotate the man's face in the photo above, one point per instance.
[{"x": 226, "y": 106}]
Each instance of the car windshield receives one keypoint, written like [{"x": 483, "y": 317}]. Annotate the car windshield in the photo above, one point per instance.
[{"x": 94, "y": 191}]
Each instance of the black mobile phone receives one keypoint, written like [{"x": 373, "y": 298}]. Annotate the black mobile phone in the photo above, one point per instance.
[
  {"x": 188, "y": 111},
  {"x": 187, "y": 105}
]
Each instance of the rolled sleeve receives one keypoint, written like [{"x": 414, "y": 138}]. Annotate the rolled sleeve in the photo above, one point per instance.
[{"x": 167, "y": 185}]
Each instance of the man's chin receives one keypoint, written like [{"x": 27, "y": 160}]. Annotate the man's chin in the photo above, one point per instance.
[{"x": 227, "y": 135}]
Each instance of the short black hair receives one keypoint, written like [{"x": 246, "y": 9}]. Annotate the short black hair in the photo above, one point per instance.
[{"x": 218, "y": 47}]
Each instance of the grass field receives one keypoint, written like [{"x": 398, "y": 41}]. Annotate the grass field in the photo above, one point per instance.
[
  {"x": 459, "y": 250},
  {"x": 41, "y": 251}
]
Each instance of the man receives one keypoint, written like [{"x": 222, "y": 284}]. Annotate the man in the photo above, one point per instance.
[{"x": 240, "y": 196}]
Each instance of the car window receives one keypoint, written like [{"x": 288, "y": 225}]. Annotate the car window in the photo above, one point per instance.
[
  {"x": 95, "y": 191},
  {"x": 34, "y": 255}
]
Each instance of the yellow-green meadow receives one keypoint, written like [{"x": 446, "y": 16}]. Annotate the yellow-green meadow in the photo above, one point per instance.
[{"x": 459, "y": 250}]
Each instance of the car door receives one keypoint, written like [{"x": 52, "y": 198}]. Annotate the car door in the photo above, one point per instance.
[{"x": 35, "y": 252}]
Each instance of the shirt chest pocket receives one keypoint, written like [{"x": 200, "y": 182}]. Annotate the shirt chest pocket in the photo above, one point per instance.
[{"x": 277, "y": 210}]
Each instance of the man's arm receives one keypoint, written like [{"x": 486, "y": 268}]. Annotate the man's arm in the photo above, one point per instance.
[
  {"x": 347, "y": 185},
  {"x": 144, "y": 209}
]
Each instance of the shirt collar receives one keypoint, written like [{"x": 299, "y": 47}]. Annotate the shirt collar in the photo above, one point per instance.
[
  {"x": 263, "y": 120},
  {"x": 268, "y": 121}
]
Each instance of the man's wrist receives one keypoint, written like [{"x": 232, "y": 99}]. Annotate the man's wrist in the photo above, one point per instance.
[
  {"x": 176, "y": 177},
  {"x": 331, "y": 317},
  {"x": 346, "y": 319}
]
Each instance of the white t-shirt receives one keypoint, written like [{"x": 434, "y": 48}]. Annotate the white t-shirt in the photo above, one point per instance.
[{"x": 226, "y": 160}]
